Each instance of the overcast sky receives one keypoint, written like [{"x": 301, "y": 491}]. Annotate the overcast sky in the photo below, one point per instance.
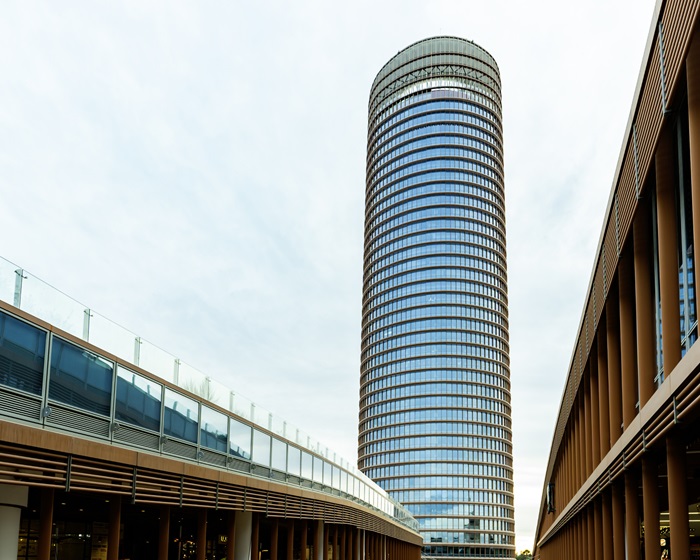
[{"x": 195, "y": 172}]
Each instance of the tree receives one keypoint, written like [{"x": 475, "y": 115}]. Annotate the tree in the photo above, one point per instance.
[{"x": 524, "y": 555}]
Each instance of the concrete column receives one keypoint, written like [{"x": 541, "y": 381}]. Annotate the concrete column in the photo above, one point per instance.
[
  {"x": 668, "y": 248},
  {"x": 692, "y": 69},
  {"x": 612, "y": 331},
  {"x": 274, "y": 540},
  {"x": 644, "y": 298},
  {"x": 618, "y": 521},
  {"x": 319, "y": 541},
  {"x": 628, "y": 350},
  {"x": 344, "y": 548},
  {"x": 677, "y": 498},
  {"x": 164, "y": 533},
  {"x": 603, "y": 388},
  {"x": 631, "y": 517},
  {"x": 359, "y": 548},
  {"x": 230, "y": 535},
  {"x": 115, "y": 521},
  {"x": 326, "y": 535},
  {"x": 201, "y": 534},
  {"x": 595, "y": 412},
  {"x": 650, "y": 499},
  {"x": 45, "y": 524},
  {"x": 290, "y": 541},
  {"x": 243, "y": 537},
  {"x": 12, "y": 499},
  {"x": 336, "y": 547}
]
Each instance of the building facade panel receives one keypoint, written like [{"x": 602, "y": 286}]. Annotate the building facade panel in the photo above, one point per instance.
[{"x": 635, "y": 492}]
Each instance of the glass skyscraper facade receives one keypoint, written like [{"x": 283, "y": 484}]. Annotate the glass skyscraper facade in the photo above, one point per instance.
[{"x": 435, "y": 422}]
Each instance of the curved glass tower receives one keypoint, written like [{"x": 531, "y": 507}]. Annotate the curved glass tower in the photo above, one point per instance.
[{"x": 435, "y": 428}]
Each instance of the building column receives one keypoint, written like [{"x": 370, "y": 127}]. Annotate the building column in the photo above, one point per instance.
[
  {"x": 581, "y": 443},
  {"x": 115, "y": 520},
  {"x": 583, "y": 535},
  {"x": 692, "y": 70},
  {"x": 202, "y": 534},
  {"x": 255, "y": 537},
  {"x": 597, "y": 505},
  {"x": 595, "y": 408},
  {"x": 230, "y": 535},
  {"x": 591, "y": 530},
  {"x": 163, "y": 533},
  {"x": 603, "y": 389},
  {"x": 612, "y": 331},
  {"x": 618, "y": 521},
  {"x": 668, "y": 249},
  {"x": 632, "y": 517},
  {"x": 650, "y": 500},
  {"x": 677, "y": 498},
  {"x": 628, "y": 350},
  {"x": 304, "y": 540},
  {"x": 319, "y": 540},
  {"x": 326, "y": 536},
  {"x": 290, "y": 541},
  {"x": 359, "y": 547},
  {"x": 344, "y": 549},
  {"x": 606, "y": 520},
  {"x": 587, "y": 424},
  {"x": 12, "y": 499},
  {"x": 243, "y": 527},
  {"x": 274, "y": 540},
  {"x": 644, "y": 298},
  {"x": 45, "y": 524}
]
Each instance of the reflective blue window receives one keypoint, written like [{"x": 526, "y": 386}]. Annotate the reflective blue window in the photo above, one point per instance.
[
  {"x": 213, "y": 429},
  {"x": 180, "y": 416},
  {"x": 138, "y": 400},
  {"x": 21, "y": 355},
  {"x": 80, "y": 378}
]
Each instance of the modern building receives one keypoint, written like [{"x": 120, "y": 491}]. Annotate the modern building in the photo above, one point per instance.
[
  {"x": 435, "y": 417},
  {"x": 101, "y": 458},
  {"x": 623, "y": 476}
]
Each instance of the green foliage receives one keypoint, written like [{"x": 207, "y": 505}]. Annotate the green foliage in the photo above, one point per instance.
[{"x": 524, "y": 555}]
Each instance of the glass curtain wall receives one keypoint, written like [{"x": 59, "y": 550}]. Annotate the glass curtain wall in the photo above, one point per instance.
[{"x": 435, "y": 427}]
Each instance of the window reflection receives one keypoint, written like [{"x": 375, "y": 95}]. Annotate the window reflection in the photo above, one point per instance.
[
  {"x": 80, "y": 378},
  {"x": 138, "y": 400},
  {"x": 213, "y": 431},
  {"x": 240, "y": 439},
  {"x": 307, "y": 465},
  {"x": 261, "y": 448},
  {"x": 180, "y": 416},
  {"x": 279, "y": 455},
  {"x": 21, "y": 355}
]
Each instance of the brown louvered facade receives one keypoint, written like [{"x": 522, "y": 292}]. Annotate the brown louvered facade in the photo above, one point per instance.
[{"x": 623, "y": 476}]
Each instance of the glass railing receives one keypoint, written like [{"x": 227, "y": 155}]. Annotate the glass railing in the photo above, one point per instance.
[{"x": 34, "y": 296}]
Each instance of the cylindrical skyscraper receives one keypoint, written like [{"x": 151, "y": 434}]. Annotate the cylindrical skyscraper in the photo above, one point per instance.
[{"x": 435, "y": 426}]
